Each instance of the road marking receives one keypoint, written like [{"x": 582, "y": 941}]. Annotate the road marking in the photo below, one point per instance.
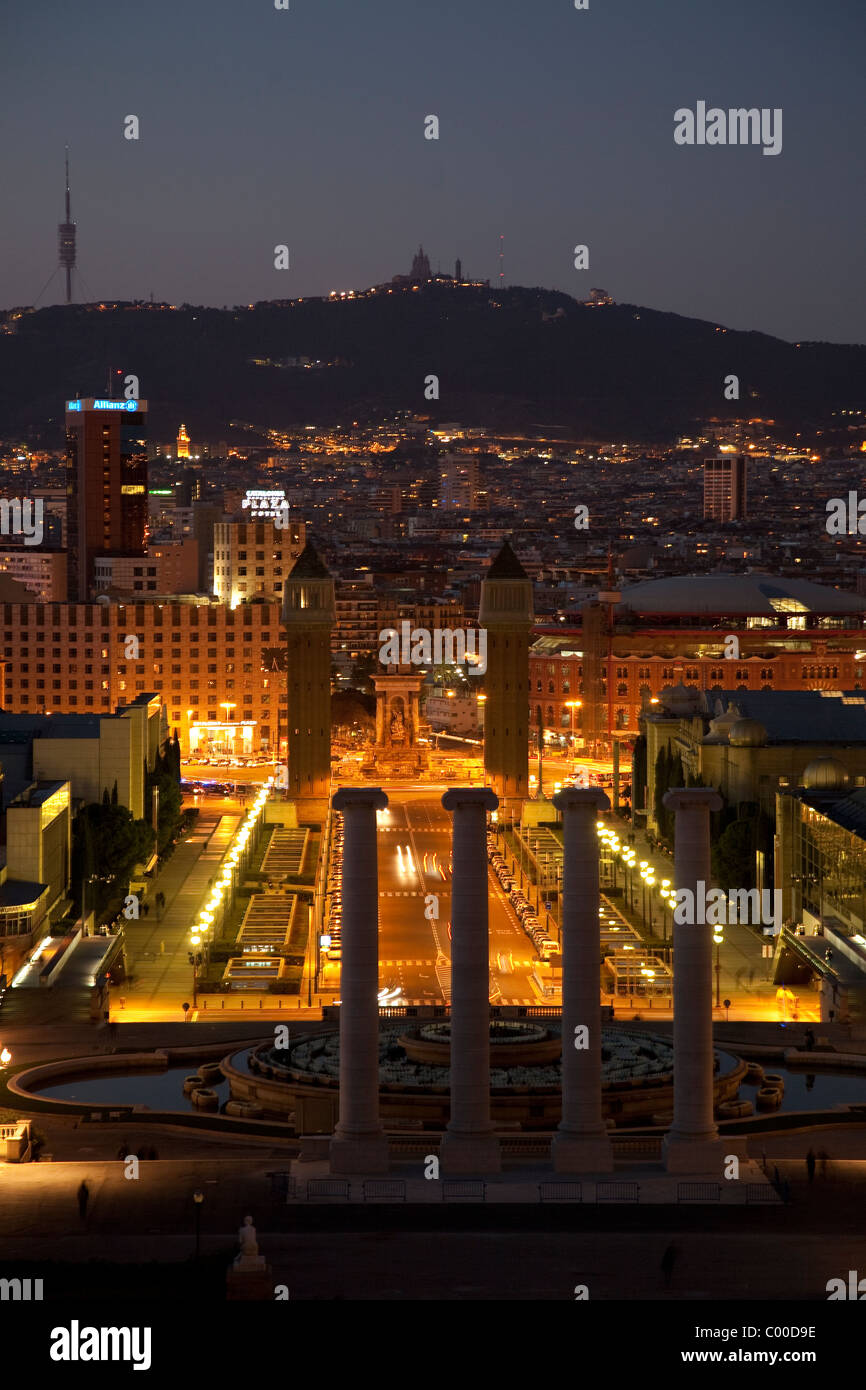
[{"x": 392, "y": 963}]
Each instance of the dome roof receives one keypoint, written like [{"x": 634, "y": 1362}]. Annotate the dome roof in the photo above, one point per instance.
[
  {"x": 726, "y": 594},
  {"x": 747, "y": 733},
  {"x": 721, "y": 724},
  {"x": 682, "y": 700},
  {"x": 825, "y": 774}
]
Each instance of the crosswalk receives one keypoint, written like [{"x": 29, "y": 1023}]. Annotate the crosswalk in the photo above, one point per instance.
[
  {"x": 406, "y": 962},
  {"x": 424, "y": 830},
  {"x": 404, "y": 1002},
  {"x": 526, "y": 964}
]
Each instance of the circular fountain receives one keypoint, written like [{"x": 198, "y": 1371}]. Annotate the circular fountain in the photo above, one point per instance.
[{"x": 525, "y": 1076}]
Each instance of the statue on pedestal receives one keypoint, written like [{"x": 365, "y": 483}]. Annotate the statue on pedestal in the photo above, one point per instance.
[
  {"x": 398, "y": 729},
  {"x": 249, "y": 1257}
]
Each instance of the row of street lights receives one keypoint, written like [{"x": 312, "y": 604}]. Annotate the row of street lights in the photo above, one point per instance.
[
  {"x": 617, "y": 849},
  {"x": 203, "y": 927},
  {"x": 667, "y": 893}
]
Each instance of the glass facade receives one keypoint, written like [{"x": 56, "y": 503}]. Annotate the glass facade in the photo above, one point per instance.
[{"x": 832, "y": 869}]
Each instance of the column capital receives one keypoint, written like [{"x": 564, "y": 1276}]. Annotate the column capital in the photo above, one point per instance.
[
  {"x": 683, "y": 798},
  {"x": 470, "y": 796},
  {"x": 575, "y": 798},
  {"x": 347, "y": 797}
]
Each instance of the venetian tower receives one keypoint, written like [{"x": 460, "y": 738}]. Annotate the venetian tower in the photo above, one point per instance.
[
  {"x": 309, "y": 615},
  {"x": 506, "y": 612}
]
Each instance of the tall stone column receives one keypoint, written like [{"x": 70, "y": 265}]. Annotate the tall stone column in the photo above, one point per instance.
[
  {"x": 691, "y": 1145},
  {"x": 581, "y": 1144},
  {"x": 469, "y": 1144},
  {"x": 359, "y": 1144}
]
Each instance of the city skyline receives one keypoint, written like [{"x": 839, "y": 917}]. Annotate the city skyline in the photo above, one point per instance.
[{"x": 433, "y": 688}]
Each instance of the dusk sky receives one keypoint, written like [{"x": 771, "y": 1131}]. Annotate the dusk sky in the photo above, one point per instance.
[{"x": 306, "y": 127}]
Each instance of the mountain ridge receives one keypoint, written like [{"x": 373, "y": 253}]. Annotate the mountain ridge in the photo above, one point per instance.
[{"x": 505, "y": 358}]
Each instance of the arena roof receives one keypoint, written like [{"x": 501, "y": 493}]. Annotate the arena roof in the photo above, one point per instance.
[{"x": 755, "y": 594}]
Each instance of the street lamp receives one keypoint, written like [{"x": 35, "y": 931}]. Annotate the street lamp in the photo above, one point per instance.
[
  {"x": 718, "y": 939},
  {"x": 228, "y": 705},
  {"x": 198, "y": 1198},
  {"x": 195, "y": 959},
  {"x": 573, "y": 705}
]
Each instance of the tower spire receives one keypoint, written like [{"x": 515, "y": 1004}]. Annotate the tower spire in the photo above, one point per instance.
[{"x": 66, "y": 239}]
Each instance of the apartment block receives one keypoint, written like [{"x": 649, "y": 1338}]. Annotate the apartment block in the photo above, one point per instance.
[{"x": 203, "y": 660}]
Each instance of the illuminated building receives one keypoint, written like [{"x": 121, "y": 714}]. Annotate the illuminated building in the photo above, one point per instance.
[
  {"x": 820, "y": 868},
  {"x": 725, "y": 487},
  {"x": 182, "y": 443},
  {"x": 788, "y": 634},
  {"x": 106, "y": 469},
  {"x": 34, "y": 880},
  {"x": 748, "y": 744},
  {"x": 251, "y": 559},
  {"x": 203, "y": 659},
  {"x": 42, "y": 572},
  {"x": 93, "y": 752}
]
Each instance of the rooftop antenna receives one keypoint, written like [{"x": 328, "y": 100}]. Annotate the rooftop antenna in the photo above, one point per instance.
[
  {"x": 501, "y": 261},
  {"x": 66, "y": 239}
]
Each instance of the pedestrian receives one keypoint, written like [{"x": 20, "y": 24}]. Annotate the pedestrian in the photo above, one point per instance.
[
  {"x": 810, "y": 1040},
  {"x": 777, "y": 1179},
  {"x": 83, "y": 1199},
  {"x": 122, "y": 1152},
  {"x": 669, "y": 1259},
  {"x": 810, "y": 1165}
]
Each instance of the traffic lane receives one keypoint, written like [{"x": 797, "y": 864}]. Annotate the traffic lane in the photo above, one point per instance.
[
  {"x": 509, "y": 940},
  {"x": 405, "y": 934}
]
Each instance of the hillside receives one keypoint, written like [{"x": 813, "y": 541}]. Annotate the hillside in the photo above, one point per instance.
[{"x": 502, "y": 359}]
